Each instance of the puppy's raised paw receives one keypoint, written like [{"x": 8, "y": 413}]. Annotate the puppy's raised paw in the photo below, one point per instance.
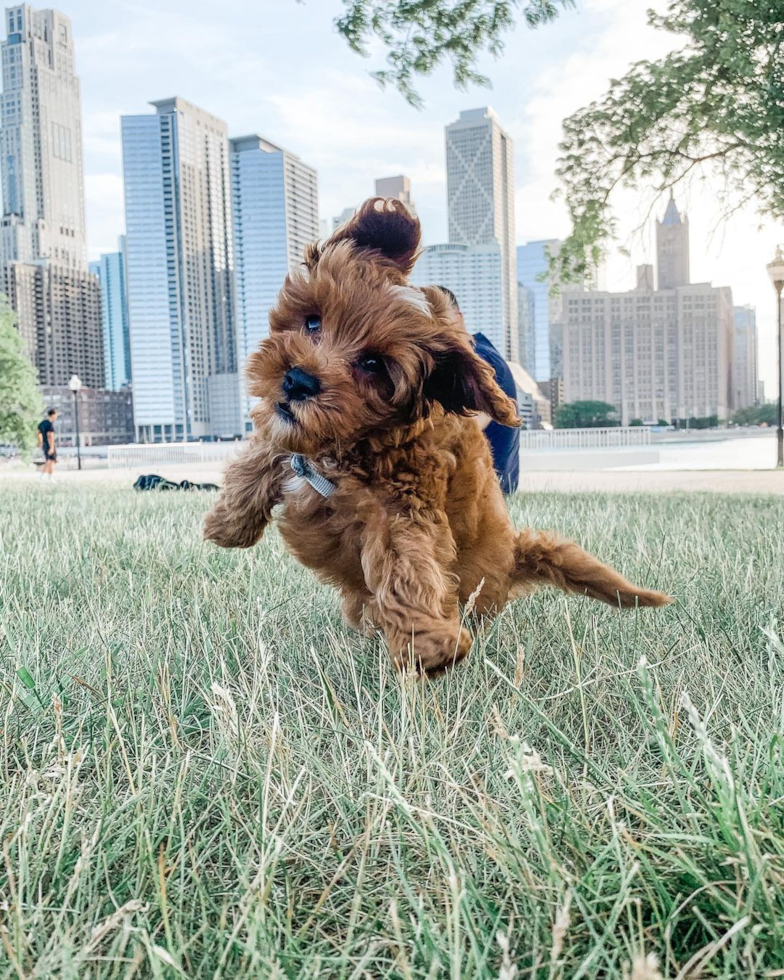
[{"x": 219, "y": 528}]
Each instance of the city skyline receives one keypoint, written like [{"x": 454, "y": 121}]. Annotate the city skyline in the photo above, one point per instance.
[
  {"x": 353, "y": 132},
  {"x": 64, "y": 141}
]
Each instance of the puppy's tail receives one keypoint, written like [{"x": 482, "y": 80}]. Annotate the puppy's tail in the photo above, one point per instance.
[{"x": 544, "y": 558}]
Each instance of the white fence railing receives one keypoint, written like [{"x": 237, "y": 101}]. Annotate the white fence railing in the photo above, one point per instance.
[
  {"x": 610, "y": 438},
  {"x": 180, "y": 453},
  {"x": 171, "y": 453}
]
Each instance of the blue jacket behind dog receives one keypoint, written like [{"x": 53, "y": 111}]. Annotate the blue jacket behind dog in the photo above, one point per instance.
[{"x": 504, "y": 441}]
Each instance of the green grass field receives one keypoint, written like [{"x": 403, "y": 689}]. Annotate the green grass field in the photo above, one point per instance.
[{"x": 204, "y": 774}]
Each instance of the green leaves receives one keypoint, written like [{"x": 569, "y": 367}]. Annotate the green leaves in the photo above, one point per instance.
[
  {"x": 420, "y": 35},
  {"x": 756, "y": 415},
  {"x": 585, "y": 415},
  {"x": 20, "y": 403}
]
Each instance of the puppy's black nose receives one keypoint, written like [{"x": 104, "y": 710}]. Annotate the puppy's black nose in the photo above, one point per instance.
[{"x": 299, "y": 385}]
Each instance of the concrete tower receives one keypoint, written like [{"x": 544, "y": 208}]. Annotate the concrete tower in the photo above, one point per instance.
[
  {"x": 672, "y": 248},
  {"x": 399, "y": 187},
  {"x": 43, "y": 248},
  {"x": 480, "y": 200}
]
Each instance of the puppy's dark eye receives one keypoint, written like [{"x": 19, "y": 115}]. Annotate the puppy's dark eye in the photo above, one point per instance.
[
  {"x": 313, "y": 323},
  {"x": 372, "y": 363}
]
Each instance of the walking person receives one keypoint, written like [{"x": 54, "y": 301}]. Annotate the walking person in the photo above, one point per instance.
[
  {"x": 47, "y": 443},
  {"x": 504, "y": 440}
]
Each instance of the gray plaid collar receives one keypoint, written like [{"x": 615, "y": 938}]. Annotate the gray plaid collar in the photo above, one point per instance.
[{"x": 304, "y": 469}]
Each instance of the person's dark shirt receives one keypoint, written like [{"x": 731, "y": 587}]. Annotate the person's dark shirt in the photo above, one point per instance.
[
  {"x": 45, "y": 428},
  {"x": 504, "y": 440}
]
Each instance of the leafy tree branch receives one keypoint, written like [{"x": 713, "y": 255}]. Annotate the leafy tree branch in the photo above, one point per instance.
[
  {"x": 420, "y": 35},
  {"x": 716, "y": 102}
]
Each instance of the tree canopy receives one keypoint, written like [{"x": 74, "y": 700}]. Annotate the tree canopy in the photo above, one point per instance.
[
  {"x": 585, "y": 415},
  {"x": 756, "y": 415},
  {"x": 420, "y": 35},
  {"x": 20, "y": 402},
  {"x": 715, "y": 104}
]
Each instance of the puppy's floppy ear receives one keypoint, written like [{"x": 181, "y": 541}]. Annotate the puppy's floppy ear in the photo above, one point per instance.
[
  {"x": 462, "y": 382},
  {"x": 384, "y": 226},
  {"x": 456, "y": 376}
]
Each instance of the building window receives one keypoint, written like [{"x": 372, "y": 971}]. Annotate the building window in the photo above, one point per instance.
[{"x": 61, "y": 142}]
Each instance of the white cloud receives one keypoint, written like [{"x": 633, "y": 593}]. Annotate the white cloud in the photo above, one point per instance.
[{"x": 352, "y": 148}]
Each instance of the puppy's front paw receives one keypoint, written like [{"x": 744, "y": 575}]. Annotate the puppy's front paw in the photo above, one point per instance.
[
  {"x": 219, "y": 528},
  {"x": 434, "y": 652}
]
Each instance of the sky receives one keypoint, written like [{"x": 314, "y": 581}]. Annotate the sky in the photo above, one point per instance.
[{"x": 278, "y": 67}]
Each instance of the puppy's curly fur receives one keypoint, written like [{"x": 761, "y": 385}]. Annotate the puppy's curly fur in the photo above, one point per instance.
[{"x": 417, "y": 520}]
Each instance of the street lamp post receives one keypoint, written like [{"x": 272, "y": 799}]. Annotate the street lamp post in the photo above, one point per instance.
[
  {"x": 76, "y": 386},
  {"x": 776, "y": 273}
]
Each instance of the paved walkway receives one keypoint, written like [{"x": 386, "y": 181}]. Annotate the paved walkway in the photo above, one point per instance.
[
  {"x": 605, "y": 481},
  {"x": 617, "y": 481}
]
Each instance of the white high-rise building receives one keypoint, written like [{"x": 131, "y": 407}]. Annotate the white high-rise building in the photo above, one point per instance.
[
  {"x": 399, "y": 187},
  {"x": 661, "y": 354},
  {"x": 474, "y": 273},
  {"x": 43, "y": 249},
  {"x": 654, "y": 355},
  {"x": 480, "y": 201},
  {"x": 179, "y": 261},
  {"x": 41, "y": 141},
  {"x": 275, "y": 205}
]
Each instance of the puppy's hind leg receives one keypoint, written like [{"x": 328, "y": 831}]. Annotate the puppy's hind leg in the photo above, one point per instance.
[{"x": 545, "y": 558}]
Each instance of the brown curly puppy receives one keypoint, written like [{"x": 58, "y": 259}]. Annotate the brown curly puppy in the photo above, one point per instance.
[{"x": 363, "y": 432}]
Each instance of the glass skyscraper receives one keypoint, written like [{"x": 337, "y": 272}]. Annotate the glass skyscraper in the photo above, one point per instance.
[
  {"x": 745, "y": 367},
  {"x": 110, "y": 269},
  {"x": 179, "y": 262},
  {"x": 275, "y": 208},
  {"x": 532, "y": 263}
]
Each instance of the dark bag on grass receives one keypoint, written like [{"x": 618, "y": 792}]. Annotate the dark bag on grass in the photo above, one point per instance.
[{"x": 151, "y": 481}]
